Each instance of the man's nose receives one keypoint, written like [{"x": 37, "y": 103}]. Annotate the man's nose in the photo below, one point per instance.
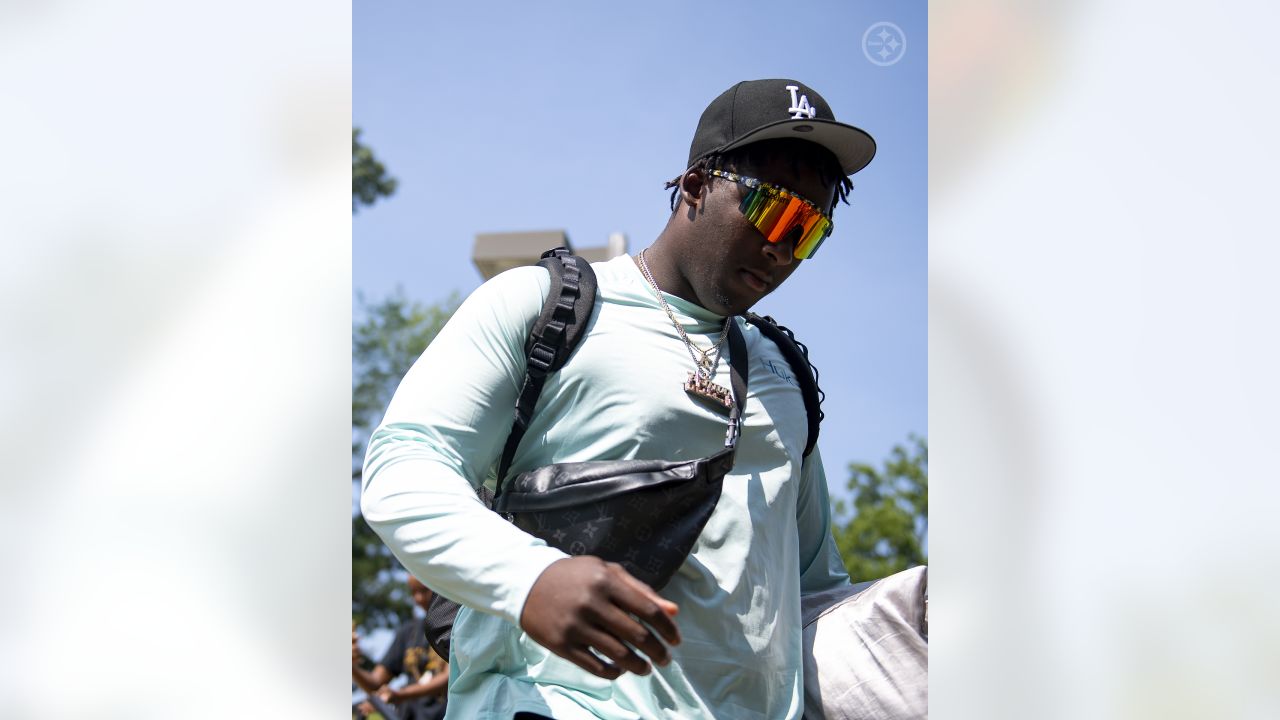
[{"x": 783, "y": 251}]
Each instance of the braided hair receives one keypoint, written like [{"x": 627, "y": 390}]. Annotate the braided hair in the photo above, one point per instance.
[{"x": 804, "y": 155}]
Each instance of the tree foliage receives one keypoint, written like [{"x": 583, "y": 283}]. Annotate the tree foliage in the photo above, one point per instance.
[
  {"x": 385, "y": 342},
  {"x": 888, "y": 529},
  {"x": 369, "y": 178}
]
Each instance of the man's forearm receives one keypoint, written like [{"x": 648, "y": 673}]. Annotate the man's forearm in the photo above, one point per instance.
[
  {"x": 437, "y": 686},
  {"x": 369, "y": 681},
  {"x": 435, "y": 525}
]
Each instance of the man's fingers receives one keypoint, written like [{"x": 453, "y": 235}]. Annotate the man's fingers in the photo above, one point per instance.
[
  {"x": 617, "y": 651},
  {"x": 624, "y": 627},
  {"x": 640, "y": 600},
  {"x": 639, "y": 586},
  {"x": 582, "y": 602},
  {"x": 667, "y": 606},
  {"x": 586, "y": 660}
]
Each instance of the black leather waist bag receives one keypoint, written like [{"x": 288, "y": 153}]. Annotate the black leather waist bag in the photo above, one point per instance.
[{"x": 643, "y": 514}]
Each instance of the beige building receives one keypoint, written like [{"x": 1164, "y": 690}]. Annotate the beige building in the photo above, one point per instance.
[{"x": 497, "y": 252}]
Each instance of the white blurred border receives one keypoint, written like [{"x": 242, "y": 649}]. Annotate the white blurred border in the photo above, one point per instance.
[
  {"x": 1103, "y": 360},
  {"x": 175, "y": 364},
  {"x": 176, "y": 324}
]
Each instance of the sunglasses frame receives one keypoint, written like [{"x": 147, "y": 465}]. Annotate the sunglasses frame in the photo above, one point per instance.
[{"x": 777, "y": 191}]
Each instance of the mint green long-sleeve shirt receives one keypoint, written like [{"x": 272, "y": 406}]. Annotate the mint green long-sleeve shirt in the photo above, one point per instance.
[{"x": 619, "y": 397}]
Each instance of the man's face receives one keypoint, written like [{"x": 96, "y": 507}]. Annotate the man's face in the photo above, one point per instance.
[
  {"x": 421, "y": 593},
  {"x": 730, "y": 264}
]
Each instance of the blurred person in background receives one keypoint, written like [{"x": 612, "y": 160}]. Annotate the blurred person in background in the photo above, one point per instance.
[{"x": 423, "y": 696}]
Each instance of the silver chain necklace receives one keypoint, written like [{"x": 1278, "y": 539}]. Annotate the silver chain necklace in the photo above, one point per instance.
[{"x": 705, "y": 362}]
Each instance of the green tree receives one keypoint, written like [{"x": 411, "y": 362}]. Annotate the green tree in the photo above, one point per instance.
[
  {"x": 369, "y": 178},
  {"x": 385, "y": 342},
  {"x": 888, "y": 529}
]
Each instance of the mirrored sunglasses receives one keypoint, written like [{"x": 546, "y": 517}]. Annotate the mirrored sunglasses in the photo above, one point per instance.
[{"x": 780, "y": 214}]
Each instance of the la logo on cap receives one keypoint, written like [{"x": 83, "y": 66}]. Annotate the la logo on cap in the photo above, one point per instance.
[{"x": 800, "y": 107}]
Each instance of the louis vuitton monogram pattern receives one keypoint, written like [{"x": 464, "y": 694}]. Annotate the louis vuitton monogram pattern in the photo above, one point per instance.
[{"x": 649, "y": 531}]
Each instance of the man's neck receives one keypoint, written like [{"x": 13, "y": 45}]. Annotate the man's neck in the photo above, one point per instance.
[{"x": 665, "y": 268}]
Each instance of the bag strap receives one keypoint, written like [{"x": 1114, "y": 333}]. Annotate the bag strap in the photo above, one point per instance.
[
  {"x": 737, "y": 381},
  {"x": 563, "y": 320},
  {"x": 565, "y": 313},
  {"x": 797, "y": 356},
  {"x": 552, "y": 339}
]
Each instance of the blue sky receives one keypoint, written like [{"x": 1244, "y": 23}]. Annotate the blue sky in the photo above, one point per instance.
[{"x": 571, "y": 115}]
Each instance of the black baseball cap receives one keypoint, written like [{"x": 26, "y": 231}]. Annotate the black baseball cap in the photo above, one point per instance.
[{"x": 755, "y": 110}]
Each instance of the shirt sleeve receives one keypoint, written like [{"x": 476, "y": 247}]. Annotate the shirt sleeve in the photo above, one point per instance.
[
  {"x": 393, "y": 659},
  {"x": 821, "y": 567},
  {"x": 444, "y": 428}
]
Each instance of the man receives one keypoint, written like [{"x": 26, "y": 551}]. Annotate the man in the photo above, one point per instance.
[
  {"x": 544, "y": 634},
  {"x": 422, "y": 698}
]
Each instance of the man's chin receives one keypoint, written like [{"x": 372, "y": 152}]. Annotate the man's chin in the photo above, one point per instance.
[{"x": 735, "y": 303}]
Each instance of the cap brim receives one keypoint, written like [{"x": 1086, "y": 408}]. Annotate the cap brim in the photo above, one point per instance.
[{"x": 852, "y": 146}]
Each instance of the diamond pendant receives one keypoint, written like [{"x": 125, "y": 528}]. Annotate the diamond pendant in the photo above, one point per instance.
[{"x": 717, "y": 395}]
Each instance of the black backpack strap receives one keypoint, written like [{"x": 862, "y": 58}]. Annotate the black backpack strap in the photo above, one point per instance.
[
  {"x": 555, "y": 333},
  {"x": 552, "y": 339},
  {"x": 738, "y": 375},
  {"x": 797, "y": 356}
]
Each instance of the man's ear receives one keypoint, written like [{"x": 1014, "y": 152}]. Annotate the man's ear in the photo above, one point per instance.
[{"x": 693, "y": 184}]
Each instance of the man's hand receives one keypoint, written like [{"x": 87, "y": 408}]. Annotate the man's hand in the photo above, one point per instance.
[
  {"x": 583, "y": 602},
  {"x": 368, "y": 681}
]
